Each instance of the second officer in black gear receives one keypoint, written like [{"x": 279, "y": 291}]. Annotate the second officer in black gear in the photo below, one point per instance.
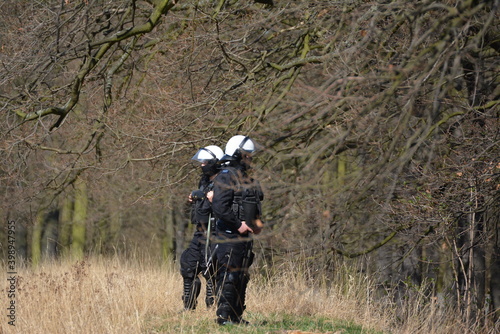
[
  {"x": 236, "y": 206},
  {"x": 195, "y": 260}
]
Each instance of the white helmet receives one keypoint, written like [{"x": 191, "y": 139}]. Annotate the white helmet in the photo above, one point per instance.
[
  {"x": 238, "y": 144},
  {"x": 208, "y": 153}
]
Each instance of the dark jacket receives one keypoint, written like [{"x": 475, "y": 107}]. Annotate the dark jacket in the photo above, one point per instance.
[
  {"x": 229, "y": 187},
  {"x": 202, "y": 209}
]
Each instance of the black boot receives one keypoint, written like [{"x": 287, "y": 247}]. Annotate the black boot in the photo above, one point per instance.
[
  {"x": 191, "y": 292},
  {"x": 240, "y": 306},
  {"x": 227, "y": 300},
  {"x": 210, "y": 297}
]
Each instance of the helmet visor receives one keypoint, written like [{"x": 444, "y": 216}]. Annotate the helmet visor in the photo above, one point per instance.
[
  {"x": 248, "y": 146},
  {"x": 204, "y": 156}
]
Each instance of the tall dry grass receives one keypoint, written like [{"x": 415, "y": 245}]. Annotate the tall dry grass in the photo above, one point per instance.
[
  {"x": 120, "y": 296},
  {"x": 92, "y": 296}
]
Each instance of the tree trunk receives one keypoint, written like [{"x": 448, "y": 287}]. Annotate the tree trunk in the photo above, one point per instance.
[
  {"x": 115, "y": 224},
  {"x": 49, "y": 236},
  {"x": 494, "y": 279},
  {"x": 36, "y": 236},
  {"x": 168, "y": 239},
  {"x": 479, "y": 273},
  {"x": 101, "y": 236},
  {"x": 79, "y": 220},
  {"x": 21, "y": 241},
  {"x": 65, "y": 223}
]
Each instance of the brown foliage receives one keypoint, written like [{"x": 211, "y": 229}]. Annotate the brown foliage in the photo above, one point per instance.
[{"x": 378, "y": 122}]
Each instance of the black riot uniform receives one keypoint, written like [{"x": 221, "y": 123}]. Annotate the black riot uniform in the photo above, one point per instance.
[
  {"x": 194, "y": 259},
  {"x": 233, "y": 251}
]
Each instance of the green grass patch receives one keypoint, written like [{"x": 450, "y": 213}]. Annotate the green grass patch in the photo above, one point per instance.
[{"x": 263, "y": 324}]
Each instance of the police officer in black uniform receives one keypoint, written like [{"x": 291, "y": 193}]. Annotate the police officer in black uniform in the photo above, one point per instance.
[
  {"x": 236, "y": 206},
  {"x": 195, "y": 259}
]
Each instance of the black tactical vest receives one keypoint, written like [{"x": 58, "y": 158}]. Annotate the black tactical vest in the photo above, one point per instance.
[{"x": 247, "y": 196}]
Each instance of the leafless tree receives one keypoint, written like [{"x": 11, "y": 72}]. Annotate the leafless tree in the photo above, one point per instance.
[{"x": 378, "y": 122}]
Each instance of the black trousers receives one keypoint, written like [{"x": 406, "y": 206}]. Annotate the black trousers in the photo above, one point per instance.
[
  {"x": 232, "y": 257},
  {"x": 192, "y": 264}
]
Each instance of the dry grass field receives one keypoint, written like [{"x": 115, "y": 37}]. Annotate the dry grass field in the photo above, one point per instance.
[{"x": 120, "y": 296}]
